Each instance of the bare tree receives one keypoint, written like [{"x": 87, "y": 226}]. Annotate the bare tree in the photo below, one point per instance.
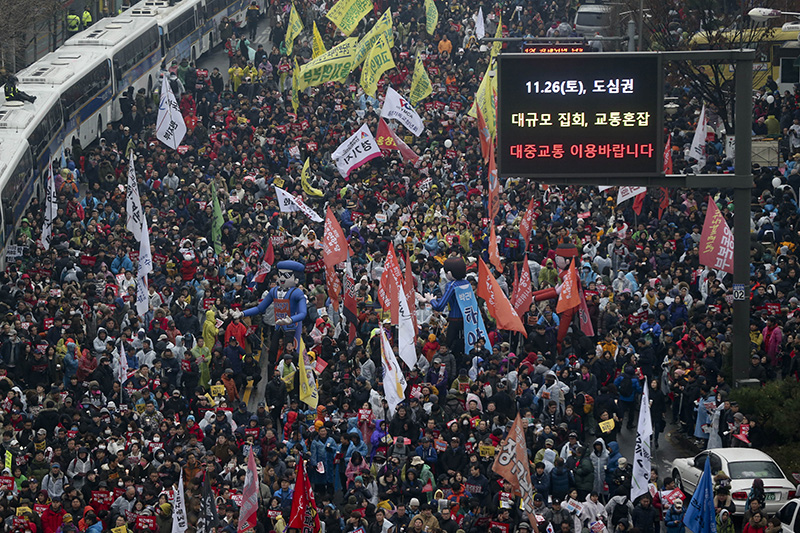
[
  {"x": 708, "y": 25},
  {"x": 23, "y": 21}
]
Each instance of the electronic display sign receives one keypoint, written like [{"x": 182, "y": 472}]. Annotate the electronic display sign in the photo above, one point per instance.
[
  {"x": 579, "y": 115},
  {"x": 541, "y": 48}
]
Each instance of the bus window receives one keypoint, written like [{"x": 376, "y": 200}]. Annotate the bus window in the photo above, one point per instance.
[
  {"x": 134, "y": 52},
  {"x": 86, "y": 88},
  {"x": 789, "y": 72},
  {"x": 13, "y": 207},
  {"x": 45, "y": 131},
  {"x": 182, "y": 26},
  {"x": 215, "y": 6}
]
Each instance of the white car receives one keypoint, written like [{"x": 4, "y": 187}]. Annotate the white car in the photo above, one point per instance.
[
  {"x": 790, "y": 521},
  {"x": 742, "y": 465}
]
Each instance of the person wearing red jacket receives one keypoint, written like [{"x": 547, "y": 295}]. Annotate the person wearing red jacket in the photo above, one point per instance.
[
  {"x": 237, "y": 330},
  {"x": 52, "y": 517}
]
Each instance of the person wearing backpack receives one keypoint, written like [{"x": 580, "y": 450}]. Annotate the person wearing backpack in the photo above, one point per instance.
[
  {"x": 628, "y": 387},
  {"x": 619, "y": 507}
]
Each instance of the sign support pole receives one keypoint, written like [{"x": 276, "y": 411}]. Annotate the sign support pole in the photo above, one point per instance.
[{"x": 743, "y": 112}]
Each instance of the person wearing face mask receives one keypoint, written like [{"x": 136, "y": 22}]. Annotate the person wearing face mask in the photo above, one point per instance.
[{"x": 79, "y": 467}]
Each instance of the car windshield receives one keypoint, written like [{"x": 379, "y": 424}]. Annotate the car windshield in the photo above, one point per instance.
[
  {"x": 592, "y": 18},
  {"x": 754, "y": 469}
]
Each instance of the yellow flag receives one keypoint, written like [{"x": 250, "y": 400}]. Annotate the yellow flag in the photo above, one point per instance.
[
  {"x": 304, "y": 175},
  {"x": 346, "y": 14},
  {"x": 485, "y": 100},
  {"x": 421, "y": 86},
  {"x": 296, "y": 86},
  {"x": 378, "y": 61},
  {"x": 498, "y": 34},
  {"x": 333, "y": 65},
  {"x": 318, "y": 47},
  {"x": 293, "y": 29},
  {"x": 431, "y": 16},
  {"x": 382, "y": 26},
  {"x": 308, "y": 385}
]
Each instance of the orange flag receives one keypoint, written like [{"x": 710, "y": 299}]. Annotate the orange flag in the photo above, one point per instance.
[
  {"x": 334, "y": 244},
  {"x": 511, "y": 463},
  {"x": 333, "y": 284},
  {"x": 494, "y": 253},
  {"x": 569, "y": 297},
  {"x": 522, "y": 297},
  {"x": 408, "y": 288},
  {"x": 499, "y": 306},
  {"x": 494, "y": 188},
  {"x": 391, "y": 285}
]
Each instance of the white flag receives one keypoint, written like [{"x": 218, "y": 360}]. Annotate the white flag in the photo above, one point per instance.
[
  {"x": 142, "y": 298},
  {"x": 170, "y": 127},
  {"x": 289, "y": 203},
  {"x": 359, "y": 148},
  {"x": 641, "y": 452},
  {"x": 604, "y": 187},
  {"x": 145, "y": 256},
  {"x": 698, "y": 148},
  {"x": 133, "y": 203},
  {"x": 405, "y": 333},
  {"x": 394, "y": 384},
  {"x": 626, "y": 193},
  {"x": 122, "y": 364},
  {"x": 480, "y": 29},
  {"x": 400, "y": 109},
  {"x": 50, "y": 209},
  {"x": 179, "y": 519}
]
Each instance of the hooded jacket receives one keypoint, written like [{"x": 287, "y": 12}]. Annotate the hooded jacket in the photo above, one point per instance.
[
  {"x": 600, "y": 463},
  {"x": 78, "y": 468}
]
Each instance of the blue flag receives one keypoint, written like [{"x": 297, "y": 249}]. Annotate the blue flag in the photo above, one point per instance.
[
  {"x": 474, "y": 328},
  {"x": 700, "y": 516}
]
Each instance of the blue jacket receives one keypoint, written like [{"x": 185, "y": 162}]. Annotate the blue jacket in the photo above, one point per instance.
[
  {"x": 541, "y": 484},
  {"x": 322, "y": 452},
  {"x": 559, "y": 481},
  {"x": 674, "y": 520},
  {"x": 120, "y": 263},
  {"x": 430, "y": 456},
  {"x": 637, "y": 388},
  {"x": 613, "y": 461}
]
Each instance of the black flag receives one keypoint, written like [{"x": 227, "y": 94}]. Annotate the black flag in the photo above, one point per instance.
[{"x": 208, "y": 509}]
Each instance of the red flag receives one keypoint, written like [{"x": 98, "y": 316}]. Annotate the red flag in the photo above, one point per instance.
[
  {"x": 583, "y": 317},
  {"x": 668, "y": 156},
  {"x": 334, "y": 285},
  {"x": 664, "y": 203},
  {"x": 526, "y": 225},
  {"x": 496, "y": 301},
  {"x": 716, "y": 241},
  {"x": 266, "y": 264},
  {"x": 387, "y": 140},
  {"x": 334, "y": 244},
  {"x": 522, "y": 297},
  {"x": 249, "y": 507},
  {"x": 494, "y": 188},
  {"x": 638, "y": 202},
  {"x": 304, "y": 515},
  {"x": 391, "y": 284},
  {"x": 494, "y": 253},
  {"x": 569, "y": 298},
  {"x": 483, "y": 133}
]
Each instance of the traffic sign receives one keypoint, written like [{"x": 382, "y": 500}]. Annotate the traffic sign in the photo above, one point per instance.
[{"x": 738, "y": 292}]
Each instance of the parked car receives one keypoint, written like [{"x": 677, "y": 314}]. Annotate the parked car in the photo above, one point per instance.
[
  {"x": 788, "y": 515},
  {"x": 742, "y": 465}
]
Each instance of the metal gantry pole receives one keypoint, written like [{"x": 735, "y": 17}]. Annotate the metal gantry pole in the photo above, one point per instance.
[{"x": 741, "y": 219}]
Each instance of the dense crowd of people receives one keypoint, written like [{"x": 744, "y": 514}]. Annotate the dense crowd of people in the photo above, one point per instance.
[{"x": 103, "y": 410}]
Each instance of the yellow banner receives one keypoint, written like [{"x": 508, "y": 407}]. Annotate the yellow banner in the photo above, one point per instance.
[
  {"x": 346, "y": 14},
  {"x": 431, "y": 16},
  {"x": 9, "y": 460},
  {"x": 217, "y": 390},
  {"x": 304, "y": 175},
  {"x": 308, "y": 386},
  {"x": 378, "y": 61},
  {"x": 421, "y": 86},
  {"x": 295, "y": 89},
  {"x": 333, "y": 65},
  {"x": 293, "y": 29},
  {"x": 382, "y": 26},
  {"x": 120, "y": 529},
  {"x": 318, "y": 47}
]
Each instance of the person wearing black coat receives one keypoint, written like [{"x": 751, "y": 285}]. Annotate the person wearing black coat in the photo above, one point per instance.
[
  {"x": 658, "y": 406},
  {"x": 645, "y": 516},
  {"x": 453, "y": 459}
]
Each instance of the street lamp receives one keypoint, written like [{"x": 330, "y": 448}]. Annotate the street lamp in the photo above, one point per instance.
[{"x": 762, "y": 14}]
